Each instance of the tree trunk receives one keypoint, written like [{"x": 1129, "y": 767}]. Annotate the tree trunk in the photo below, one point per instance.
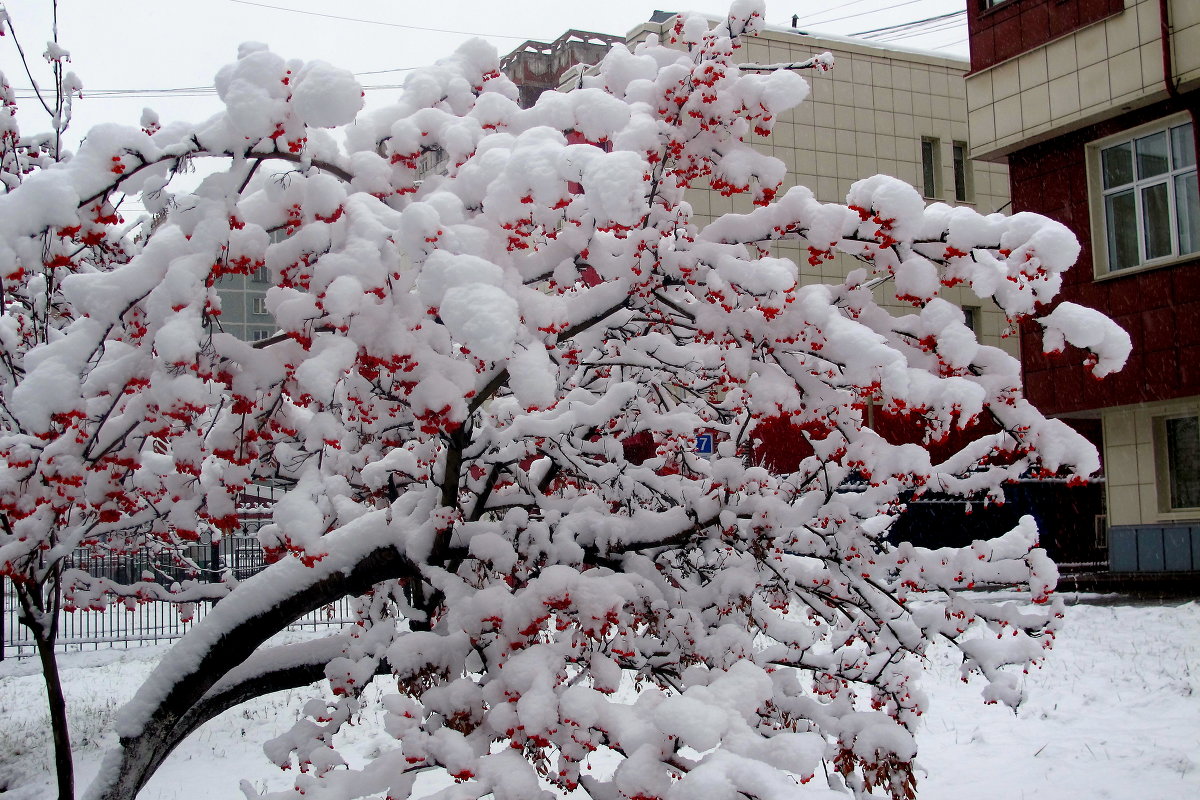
[
  {"x": 63, "y": 764},
  {"x": 33, "y": 617}
]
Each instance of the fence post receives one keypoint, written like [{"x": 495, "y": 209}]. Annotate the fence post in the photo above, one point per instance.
[{"x": 214, "y": 559}]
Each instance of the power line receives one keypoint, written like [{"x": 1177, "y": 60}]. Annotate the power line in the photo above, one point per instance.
[
  {"x": 376, "y": 21},
  {"x": 914, "y": 24},
  {"x": 199, "y": 91},
  {"x": 26, "y": 93},
  {"x": 821, "y": 21}
]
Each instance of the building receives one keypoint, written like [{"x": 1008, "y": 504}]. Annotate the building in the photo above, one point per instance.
[
  {"x": 244, "y": 306},
  {"x": 882, "y": 109},
  {"x": 898, "y": 111},
  {"x": 1092, "y": 105},
  {"x": 536, "y": 67}
]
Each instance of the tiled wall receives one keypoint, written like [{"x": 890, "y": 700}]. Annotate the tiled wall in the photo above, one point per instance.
[
  {"x": 867, "y": 116},
  {"x": 1087, "y": 75},
  {"x": 1001, "y": 30},
  {"x": 1131, "y": 470}
]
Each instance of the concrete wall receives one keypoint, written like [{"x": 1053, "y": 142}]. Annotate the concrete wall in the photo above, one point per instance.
[
  {"x": 1136, "y": 464},
  {"x": 867, "y": 116}
]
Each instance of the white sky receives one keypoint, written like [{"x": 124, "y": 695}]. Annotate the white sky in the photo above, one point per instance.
[{"x": 170, "y": 44}]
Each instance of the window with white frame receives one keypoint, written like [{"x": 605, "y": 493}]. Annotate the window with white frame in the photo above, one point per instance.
[
  {"x": 259, "y": 305},
  {"x": 1150, "y": 208},
  {"x": 1177, "y": 455}
]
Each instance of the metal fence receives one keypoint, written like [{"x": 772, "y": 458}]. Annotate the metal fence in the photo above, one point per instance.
[{"x": 146, "y": 623}]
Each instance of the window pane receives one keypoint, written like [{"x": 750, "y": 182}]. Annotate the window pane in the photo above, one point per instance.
[
  {"x": 1183, "y": 146},
  {"x": 969, "y": 317},
  {"x": 1118, "y": 165},
  {"x": 928, "y": 171},
  {"x": 960, "y": 172},
  {"x": 1183, "y": 461},
  {"x": 1152, "y": 155},
  {"x": 1121, "y": 219},
  {"x": 1156, "y": 221},
  {"x": 1187, "y": 212}
]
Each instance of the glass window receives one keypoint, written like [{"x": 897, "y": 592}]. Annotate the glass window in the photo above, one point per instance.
[
  {"x": 1120, "y": 213},
  {"x": 1151, "y": 203},
  {"x": 962, "y": 173},
  {"x": 1183, "y": 146},
  {"x": 971, "y": 318},
  {"x": 1183, "y": 461},
  {"x": 1156, "y": 221},
  {"x": 1118, "y": 165},
  {"x": 931, "y": 165},
  {"x": 1152, "y": 155}
]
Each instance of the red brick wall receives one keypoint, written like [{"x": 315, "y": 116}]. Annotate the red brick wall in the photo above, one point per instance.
[
  {"x": 1160, "y": 308},
  {"x": 1015, "y": 26}
]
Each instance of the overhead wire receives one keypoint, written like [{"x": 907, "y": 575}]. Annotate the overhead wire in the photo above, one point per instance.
[
  {"x": 375, "y": 21},
  {"x": 893, "y": 37},
  {"x": 951, "y": 18},
  {"x": 24, "y": 92},
  {"x": 831, "y": 19}
]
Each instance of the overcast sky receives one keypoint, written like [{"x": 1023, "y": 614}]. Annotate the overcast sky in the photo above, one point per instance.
[{"x": 137, "y": 45}]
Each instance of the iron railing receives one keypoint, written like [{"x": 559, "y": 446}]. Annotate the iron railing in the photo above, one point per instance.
[{"x": 148, "y": 622}]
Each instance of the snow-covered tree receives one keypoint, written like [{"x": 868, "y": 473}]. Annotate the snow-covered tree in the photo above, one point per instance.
[
  {"x": 77, "y": 404},
  {"x": 483, "y": 403}
]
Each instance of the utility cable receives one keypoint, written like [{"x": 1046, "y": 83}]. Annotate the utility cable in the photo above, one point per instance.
[
  {"x": 376, "y": 21},
  {"x": 914, "y": 23}
]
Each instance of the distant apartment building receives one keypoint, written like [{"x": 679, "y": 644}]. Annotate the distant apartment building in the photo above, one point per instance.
[
  {"x": 243, "y": 305},
  {"x": 1092, "y": 104}
]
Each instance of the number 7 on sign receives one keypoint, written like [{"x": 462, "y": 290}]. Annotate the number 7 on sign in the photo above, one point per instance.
[{"x": 704, "y": 444}]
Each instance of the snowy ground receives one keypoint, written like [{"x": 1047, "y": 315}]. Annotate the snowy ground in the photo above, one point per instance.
[{"x": 1114, "y": 714}]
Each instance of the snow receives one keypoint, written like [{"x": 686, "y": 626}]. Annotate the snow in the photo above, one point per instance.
[
  {"x": 326, "y": 96},
  {"x": 452, "y": 386},
  {"x": 1114, "y": 713}
]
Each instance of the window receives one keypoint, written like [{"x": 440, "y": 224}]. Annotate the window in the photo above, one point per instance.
[
  {"x": 963, "y": 183},
  {"x": 931, "y": 166},
  {"x": 1177, "y": 446},
  {"x": 971, "y": 318},
  {"x": 1150, "y": 209},
  {"x": 261, "y": 275},
  {"x": 260, "y": 305},
  {"x": 259, "y": 334}
]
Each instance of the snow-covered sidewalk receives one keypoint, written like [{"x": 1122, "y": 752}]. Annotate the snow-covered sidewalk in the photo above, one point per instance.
[{"x": 1115, "y": 713}]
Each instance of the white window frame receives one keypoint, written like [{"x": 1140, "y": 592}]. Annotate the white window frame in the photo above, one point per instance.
[
  {"x": 1097, "y": 196},
  {"x": 1162, "y": 462},
  {"x": 258, "y": 305}
]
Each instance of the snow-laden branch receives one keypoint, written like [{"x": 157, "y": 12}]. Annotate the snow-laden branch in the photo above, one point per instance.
[{"x": 477, "y": 412}]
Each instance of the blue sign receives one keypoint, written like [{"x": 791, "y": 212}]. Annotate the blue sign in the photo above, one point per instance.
[{"x": 704, "y": 444}]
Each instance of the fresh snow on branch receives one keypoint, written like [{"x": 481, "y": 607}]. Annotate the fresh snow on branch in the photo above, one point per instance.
[{"x": 479, "y": 415}]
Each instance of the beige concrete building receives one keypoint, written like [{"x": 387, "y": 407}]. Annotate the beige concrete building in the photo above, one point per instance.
[{"x": 882, "y": 109}]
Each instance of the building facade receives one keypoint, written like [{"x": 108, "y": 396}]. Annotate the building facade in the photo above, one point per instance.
[
  {"x": 1092, "y": 104},
  {"x": 881, "y": 110}
]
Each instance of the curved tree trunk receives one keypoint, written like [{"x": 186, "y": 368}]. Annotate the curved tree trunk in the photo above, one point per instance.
[{"x": 193, "y": 693}]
